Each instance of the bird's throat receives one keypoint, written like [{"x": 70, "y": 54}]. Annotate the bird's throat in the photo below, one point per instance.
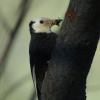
[{"x": 42, "y": 30}]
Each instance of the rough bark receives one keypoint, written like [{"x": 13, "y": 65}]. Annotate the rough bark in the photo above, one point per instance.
[{"x": 71, "y": 60}]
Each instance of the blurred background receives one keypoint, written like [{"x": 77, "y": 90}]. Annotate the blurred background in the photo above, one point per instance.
[{"x": 15, "y": 77}]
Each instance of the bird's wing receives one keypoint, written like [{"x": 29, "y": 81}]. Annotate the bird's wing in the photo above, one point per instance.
[
  {"x": 32, "y": 67},
  {"x": 40, "y": 70}
]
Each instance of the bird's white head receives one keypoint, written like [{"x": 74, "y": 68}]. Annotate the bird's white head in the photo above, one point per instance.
[{"x": 41, "y": 25}]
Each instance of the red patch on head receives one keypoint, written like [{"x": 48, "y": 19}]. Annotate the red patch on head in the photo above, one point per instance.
[{"x": 71, "y": 14}]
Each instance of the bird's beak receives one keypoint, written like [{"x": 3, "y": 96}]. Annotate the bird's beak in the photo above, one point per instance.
[
  {"x": 53, "y": 22},
  {"x": 57, "y": 21}
]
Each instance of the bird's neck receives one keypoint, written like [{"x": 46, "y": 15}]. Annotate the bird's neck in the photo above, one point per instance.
[{"x": 43, "y": 30}]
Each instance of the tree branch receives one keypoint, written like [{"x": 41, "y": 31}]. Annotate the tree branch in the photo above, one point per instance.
[
  {"x": 23, "y": 11},
  {"x": 66, "y": 76}
]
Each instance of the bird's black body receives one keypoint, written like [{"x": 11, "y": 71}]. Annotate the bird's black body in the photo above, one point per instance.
[
  {"x": 40, "y": 51},
  {"x": 41, "y": 46}
]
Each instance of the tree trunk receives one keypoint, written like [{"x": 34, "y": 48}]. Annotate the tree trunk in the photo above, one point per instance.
[{"x": 71, "y": 60}]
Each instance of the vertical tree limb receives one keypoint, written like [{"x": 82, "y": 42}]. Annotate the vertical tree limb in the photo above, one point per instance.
[
  {"x": 66, "y": 76},
  {"x": 22, "y": 12}
]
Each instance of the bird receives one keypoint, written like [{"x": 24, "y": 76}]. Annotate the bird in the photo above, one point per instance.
[{"x": 41, "y": 46}]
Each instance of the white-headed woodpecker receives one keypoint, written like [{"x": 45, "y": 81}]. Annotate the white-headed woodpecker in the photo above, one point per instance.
[{"x": 42, "y": 43}]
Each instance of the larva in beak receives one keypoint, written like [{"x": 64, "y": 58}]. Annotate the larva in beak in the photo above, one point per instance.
[{"x": 52, "y": 22}]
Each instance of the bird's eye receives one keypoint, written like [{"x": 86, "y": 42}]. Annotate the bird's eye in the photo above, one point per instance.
[{"x": 41, "y": 21}]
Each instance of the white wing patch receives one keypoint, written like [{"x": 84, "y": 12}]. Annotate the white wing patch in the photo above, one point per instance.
[{"x": 34, "y": 80}]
